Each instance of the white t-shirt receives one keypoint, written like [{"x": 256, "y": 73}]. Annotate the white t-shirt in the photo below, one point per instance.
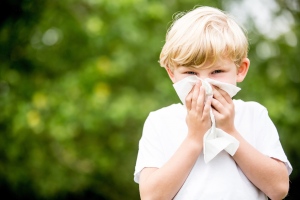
[{"x": 221, "y": 178}]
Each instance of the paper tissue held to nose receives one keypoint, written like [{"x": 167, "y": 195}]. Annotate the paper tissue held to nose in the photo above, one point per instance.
[{"x": 215, "y": 140}]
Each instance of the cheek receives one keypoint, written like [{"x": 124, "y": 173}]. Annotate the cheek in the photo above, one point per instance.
[
  {"x": 226, "y": 79},
  {"x": 179, "y": 77},
  {"x": 230, "y": 80}
]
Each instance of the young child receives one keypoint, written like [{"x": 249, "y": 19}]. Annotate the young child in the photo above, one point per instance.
[{"x": 207, "y": 43}]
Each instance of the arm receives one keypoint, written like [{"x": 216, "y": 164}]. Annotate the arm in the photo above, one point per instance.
[
  {"x": 165, "y": 182},
  {"x": 268, "y": 174}
]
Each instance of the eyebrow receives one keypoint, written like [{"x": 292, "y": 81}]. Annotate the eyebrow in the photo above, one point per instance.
[{"x": 189, "y": 67}]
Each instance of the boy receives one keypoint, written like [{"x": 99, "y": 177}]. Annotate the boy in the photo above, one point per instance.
[{"x": 207, "y": 43}]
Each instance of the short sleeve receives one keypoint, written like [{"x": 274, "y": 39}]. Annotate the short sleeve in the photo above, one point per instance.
[
  {"x": 268, "y": 139},
  {"x": 150, "y": 152}
]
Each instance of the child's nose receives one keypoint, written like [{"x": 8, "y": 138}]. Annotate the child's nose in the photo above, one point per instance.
[{"x": 202, "y": 77}]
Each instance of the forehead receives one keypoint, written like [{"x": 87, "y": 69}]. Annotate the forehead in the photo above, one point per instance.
[{"x": 212, "y": 64}]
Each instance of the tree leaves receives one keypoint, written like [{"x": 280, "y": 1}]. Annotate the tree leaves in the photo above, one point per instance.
[{"x": 78, "y": 79}]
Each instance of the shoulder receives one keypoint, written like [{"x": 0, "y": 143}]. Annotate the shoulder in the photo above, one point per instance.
[
  {"x": 250, "y": 110},
  {"x": 168, "y": 111},
  {"x": 242, "y": 106},
  {"x": 169, "y": 116},
  {"x": 165, "y": 119}
]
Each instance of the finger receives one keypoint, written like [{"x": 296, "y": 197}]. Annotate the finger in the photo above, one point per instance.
[
  {"x": 217, "y": 106},
  {"x": 218, "y": 95},
  {"x": 207, "y": 107},
  {"x": 195, "y": 95},
  {"x": 188, "y": 100},
  {"x": 216, "y": 113},
  {"x": 201, "y": 99},
  {"x": 225, "y": 95},
  {"x": 221, "y": 111}
]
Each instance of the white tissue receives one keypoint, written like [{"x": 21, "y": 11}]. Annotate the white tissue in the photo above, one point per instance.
[{"x": 215, "y": 140}]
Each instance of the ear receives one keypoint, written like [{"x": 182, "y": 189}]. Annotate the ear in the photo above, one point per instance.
[
  {"x": 243, "y": 69},
  {"x": 171, "y": 74}
]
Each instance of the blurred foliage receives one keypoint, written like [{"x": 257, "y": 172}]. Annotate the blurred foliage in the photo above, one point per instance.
[{"x": 79, "y": 77}]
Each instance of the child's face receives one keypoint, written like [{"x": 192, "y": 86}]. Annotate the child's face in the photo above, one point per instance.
[{"x": 223, "y": 70}]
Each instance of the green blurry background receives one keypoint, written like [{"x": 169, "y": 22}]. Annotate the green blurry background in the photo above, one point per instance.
[{"x": 79, "y": 77}]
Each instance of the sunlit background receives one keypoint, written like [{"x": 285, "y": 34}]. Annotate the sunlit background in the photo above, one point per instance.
[{"x": 79, "y": 77}]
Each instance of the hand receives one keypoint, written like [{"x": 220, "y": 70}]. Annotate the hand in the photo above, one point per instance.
[
  {"x": 198, "y": 116},
  {"x": 223, "y": 110}
]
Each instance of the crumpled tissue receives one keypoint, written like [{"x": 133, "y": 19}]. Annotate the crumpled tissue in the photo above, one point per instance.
[{"x": 215, "y": 140}]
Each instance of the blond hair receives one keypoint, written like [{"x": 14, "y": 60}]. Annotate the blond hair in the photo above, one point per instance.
[{"x": 203, "y": 35}]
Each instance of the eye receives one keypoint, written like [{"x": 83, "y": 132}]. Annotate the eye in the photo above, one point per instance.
[
  {"x": 192, "y": 73},
  {"x": 217, "y": 71}
]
